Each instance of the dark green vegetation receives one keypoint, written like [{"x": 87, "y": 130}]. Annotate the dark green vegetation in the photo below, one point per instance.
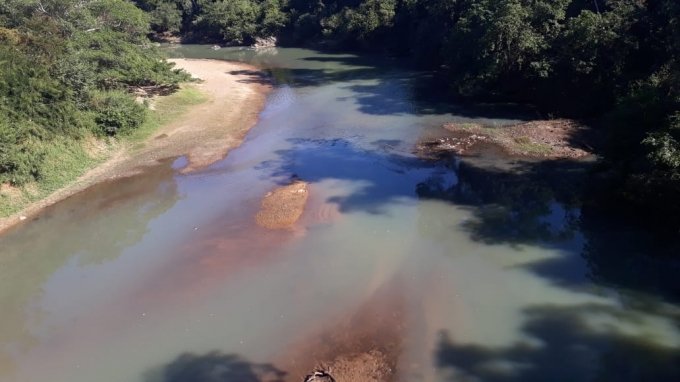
[
  {"x": 614, "y": 62},
  {"x": 66, "y": 71}
]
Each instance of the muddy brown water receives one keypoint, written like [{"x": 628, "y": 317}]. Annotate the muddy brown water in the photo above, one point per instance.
[{"x": 414, "y": 270}]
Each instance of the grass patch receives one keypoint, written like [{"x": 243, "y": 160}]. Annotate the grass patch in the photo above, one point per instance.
[
  {"x": 166, "y": 109},
  {"x": 65, "y": 159},
  {"x": 525, "y": 145},
  {"x": 522, "y": 140}
]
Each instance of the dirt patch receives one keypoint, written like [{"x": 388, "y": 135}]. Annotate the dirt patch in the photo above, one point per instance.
[
  {"x": 283, "y": 207},
  {"x": 363, "y": 347},
  {"x": 236, "y": 93},
  {"x": 550, "y": 139}
]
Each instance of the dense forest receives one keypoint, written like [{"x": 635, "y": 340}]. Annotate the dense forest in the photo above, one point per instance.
[{"x": 67, "y": 64}]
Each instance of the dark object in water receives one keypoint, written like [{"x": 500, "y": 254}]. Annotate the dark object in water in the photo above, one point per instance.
[{"x": 319, "y": 376}]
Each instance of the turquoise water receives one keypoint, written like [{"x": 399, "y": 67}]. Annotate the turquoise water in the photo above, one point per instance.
[{"x": 490, "y": 275}]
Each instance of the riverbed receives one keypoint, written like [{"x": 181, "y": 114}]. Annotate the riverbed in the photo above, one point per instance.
[{"x": 476, "y": 269}]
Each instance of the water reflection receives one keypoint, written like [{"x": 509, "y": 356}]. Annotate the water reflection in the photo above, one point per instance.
[
  {"x": 527, "y": 202},
  {"x": 98, "y": 225},
  {"x": 574, "y": 344},
  {"x": 376, "y": 83},
  {"x": 380, "y": 178}
]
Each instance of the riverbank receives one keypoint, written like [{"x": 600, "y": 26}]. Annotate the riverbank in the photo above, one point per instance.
[{"x": 201, "y": 121}]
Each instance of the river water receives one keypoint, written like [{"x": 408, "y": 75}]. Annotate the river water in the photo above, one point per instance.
[{"x": 453, "y": 270}]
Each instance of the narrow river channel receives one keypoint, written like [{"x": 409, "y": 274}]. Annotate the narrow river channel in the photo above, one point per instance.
[{"x": 449, "y": 271}]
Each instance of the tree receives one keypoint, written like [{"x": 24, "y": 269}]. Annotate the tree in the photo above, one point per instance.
[
  {"x": 166, "y": 18},
  {"x": 235, "y": 21}
]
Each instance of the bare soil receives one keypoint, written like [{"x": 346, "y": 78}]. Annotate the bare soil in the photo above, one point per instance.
[
  {"x": 236, "y": 93},
  {"x": 548, "y": 139},
  {"x": 364, "y": 346}
]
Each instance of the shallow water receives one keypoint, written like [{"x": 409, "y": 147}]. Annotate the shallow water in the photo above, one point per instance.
[{"x": 474, "y": 273}]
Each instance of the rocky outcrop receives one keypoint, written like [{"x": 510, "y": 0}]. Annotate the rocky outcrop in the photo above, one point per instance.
[
  {"x": 547, "y": 139},
  {"x": 264, "y": 42}
]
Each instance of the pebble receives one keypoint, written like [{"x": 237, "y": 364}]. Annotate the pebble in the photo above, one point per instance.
[{"x": 22, "y": 217}]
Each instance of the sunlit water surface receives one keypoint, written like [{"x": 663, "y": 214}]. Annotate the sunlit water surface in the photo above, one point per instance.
[{"x": 499, "y": 277}]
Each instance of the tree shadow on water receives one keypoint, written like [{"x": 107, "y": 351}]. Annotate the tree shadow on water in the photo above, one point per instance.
[
  {"x": 540, "y": 203},
  {"x": 382, "y": 176},
  {"x": 530, "y": 203},
  {"x": 565, "y": 347},
  {"x": 252, "y": 76},
  {"x": 534, "y": 203},
  {"x": 214, "y": 367}
]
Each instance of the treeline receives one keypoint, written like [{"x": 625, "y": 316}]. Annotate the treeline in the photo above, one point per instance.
[
  {"x": 615, "y": 62},
  {"x": 66, "y": 68}
]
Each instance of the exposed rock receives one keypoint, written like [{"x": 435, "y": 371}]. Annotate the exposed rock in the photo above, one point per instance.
[
  {"x": 264, "y": 42},
  {"x": 319, "y": 376},
  {"x": 371, "y": 366},
  {"x": 363, "y": 346}
]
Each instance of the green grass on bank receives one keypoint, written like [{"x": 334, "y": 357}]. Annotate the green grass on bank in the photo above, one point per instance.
[
  {"x": 167, "y": 109},
  {"x": 526, "y": 145},
  {"x": 66, "y": 159}
]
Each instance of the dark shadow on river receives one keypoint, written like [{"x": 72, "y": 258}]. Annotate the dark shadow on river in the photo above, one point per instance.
[
  {"x": 214, "y": 367},
  {"x": 568, "y": 349},
  {"x": 535, "y": 203}
]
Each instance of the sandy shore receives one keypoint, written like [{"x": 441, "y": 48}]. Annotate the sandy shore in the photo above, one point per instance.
[{"x": 235, "y": 94}]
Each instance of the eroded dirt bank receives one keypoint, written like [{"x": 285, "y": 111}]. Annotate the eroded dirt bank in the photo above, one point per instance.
[
  {"x": 235, "y": 95},
  {"x": 544, "y": 139}
]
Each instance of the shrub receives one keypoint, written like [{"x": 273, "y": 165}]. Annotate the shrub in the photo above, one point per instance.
[
  {"x": 20, "y": 162},
  {"x": 117, "y": 112}
]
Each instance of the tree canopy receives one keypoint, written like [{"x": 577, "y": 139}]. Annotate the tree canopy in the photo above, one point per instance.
[{"x": 66, "y": 68}]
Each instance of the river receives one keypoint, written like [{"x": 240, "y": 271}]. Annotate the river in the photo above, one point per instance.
[{"x": 454, "y": 270}]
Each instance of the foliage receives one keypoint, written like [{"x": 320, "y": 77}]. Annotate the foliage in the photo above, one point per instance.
[
  {"x": 167, "y": 109},
  {"x": 166, "y": 18},
  {"x": 19, "y": 161},
  {"x": 229, "y": 21},
  {"x": 361, "y": 24},
  {"x": 116, "y": 112},
  {"x": 664, "y": 151},
  {"x": 234, "y": 21},
  {"x": 65, "y": 68}
]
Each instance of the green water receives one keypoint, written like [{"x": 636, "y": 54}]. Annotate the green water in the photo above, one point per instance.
[{"x": 498, "y": 276}]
